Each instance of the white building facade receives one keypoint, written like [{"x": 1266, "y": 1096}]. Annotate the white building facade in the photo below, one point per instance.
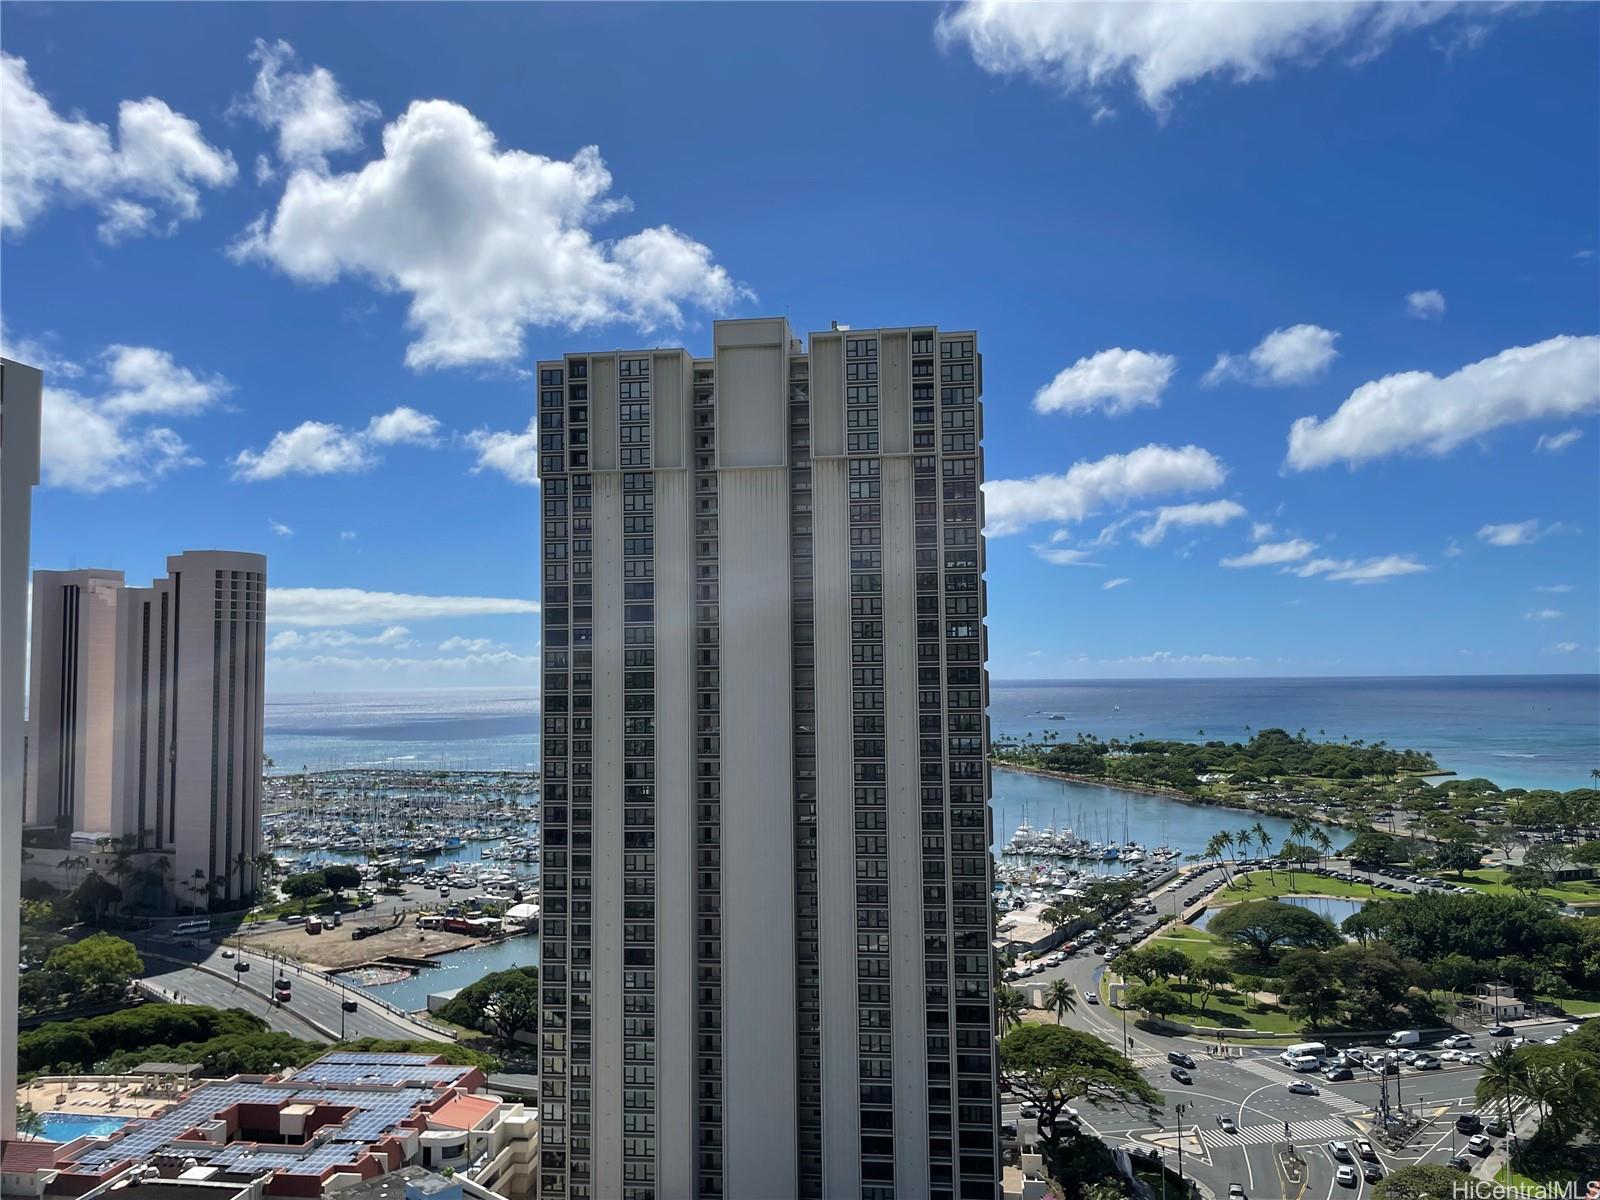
[
  {"x": 765, "y": 962},
  {"x": 21, "y": 389}
]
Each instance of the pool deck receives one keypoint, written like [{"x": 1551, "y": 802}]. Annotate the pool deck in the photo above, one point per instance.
[{"x": 105, "y": 1096}]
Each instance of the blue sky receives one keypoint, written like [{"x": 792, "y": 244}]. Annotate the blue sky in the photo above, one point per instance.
[{"x": 1292, "y": 343}]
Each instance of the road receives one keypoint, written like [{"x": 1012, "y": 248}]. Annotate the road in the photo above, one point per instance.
[
  {"x": 314, "y": 1010},
  {"x": 1251, "y": 1087}
]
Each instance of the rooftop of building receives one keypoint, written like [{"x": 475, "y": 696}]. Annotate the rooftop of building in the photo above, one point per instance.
[{"x": 345, "y": 1112}]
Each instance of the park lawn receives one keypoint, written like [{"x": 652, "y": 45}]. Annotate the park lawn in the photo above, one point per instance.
[
  {"x": 1230, "y": 1010},
  {"x": 1573, "y": 1006},
  {"x": 1260, "y": 885},
  {"x": 1512, "y": 1178},
  {"x": 1492, "y": 881},
  {"x": 1196, "y": 943}
]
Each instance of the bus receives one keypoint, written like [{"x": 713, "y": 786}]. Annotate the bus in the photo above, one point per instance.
[
  {"x": 184, "y": 928},
  {"x": 1302, "y": 1050}
]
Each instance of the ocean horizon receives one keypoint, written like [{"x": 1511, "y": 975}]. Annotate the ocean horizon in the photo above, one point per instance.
[{"x": 1517, "y": 730}]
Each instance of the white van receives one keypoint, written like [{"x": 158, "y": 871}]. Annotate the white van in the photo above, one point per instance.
[
  {"x": 1403, "y": 1037},
  {"x": 1302, "y": 1050}
]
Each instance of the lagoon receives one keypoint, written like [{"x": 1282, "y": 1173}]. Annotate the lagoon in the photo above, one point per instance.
[{"x": 1336, "y": 909}]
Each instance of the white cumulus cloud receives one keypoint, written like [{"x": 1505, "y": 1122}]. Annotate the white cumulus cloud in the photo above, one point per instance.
[
  {"x": 404, "y": 426},
  {"x": 514, "y": 455},
  {"x": 1272, "y": 554},
  {"x": 1544, "y": 614},
  {"x": 1519, "y": 533},
  {"x": 99, "y": 440},
  {"x": 319, "y": 639},
  {"x": 1285, "y": 356},
  {"x": 146, "y": 180},
  {"x": 1417, "y": 411},
  {"x": 1088, "y": 486},
  {"x": 1370, "y": 570},
  {"x": 307, "y": 109},
  {"x": 1182, "y": 516},
  {"x": 327, "y": 607},
  {"x": 322, "y": 448},
  {"x": 1426, "y": 305},
  {"x": 1114, "y": 381},
  {"x": 485, "y": 241},
  {"x": 1162, "y": 47},
  {"x": 279, "y": 528}
]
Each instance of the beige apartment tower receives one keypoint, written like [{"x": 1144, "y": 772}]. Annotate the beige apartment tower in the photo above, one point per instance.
[
  {"x": 765, "y": 958},
  {"x": 72, "y": 702},
  {"x": 145, "y": 716}
]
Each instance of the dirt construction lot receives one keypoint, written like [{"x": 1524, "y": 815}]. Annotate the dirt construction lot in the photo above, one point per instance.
[{"x": 334, "y": 950}]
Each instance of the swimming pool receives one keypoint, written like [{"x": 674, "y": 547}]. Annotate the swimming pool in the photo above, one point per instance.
[{"x": 64, "y": 1127}]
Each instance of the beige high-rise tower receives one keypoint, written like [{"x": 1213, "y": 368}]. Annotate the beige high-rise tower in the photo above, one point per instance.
[
  {"x": 766, "y": 875},
  {"x": 72, "y": 702},
  {"x": 145, "y": 716}
]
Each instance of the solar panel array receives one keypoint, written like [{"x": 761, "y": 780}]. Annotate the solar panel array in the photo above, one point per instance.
[
  {"x": 377, "y": 1074},
  {"x": 376, "y": 1113}
]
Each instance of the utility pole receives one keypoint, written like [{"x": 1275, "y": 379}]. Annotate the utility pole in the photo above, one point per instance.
[{"x": 1181, "y": 1108}]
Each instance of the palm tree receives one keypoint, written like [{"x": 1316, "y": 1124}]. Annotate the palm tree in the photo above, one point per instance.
[
  {"x": 1245, "y": 838},
  {"x": 1264, "y": 840},
  {"x": 30, "y": 1125},
  {"x": 1503, "y": 1076},
  {"x": 242, "y": 862},
  {"x": 1009, "y": 1005},
  {"x": 1060, "y": 998},
  {"x": 1323, "y": 843}
]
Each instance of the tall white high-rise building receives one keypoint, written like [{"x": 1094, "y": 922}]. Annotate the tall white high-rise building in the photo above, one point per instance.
[
  {"x": 145, "y": 716},
  {"x": 72, "y": 702},
  {"x": 765, "y": 949},
  {"x": 21, "y": 388}
]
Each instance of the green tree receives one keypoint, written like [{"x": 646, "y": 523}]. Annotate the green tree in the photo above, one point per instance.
[
  {"x": 1421, "y": 1181},
  {"x": 340, "y": 877},
  {"x": 30, "y": 1125},
  {"x": 1262, "y": 927},
  {"x": 1052, "y": 1065},
  {"x": 1009, "y": 1005},
  {"x": 99, "y": 964},
  {"x": 1157, "y": 999},
  {"x": 1458, "y": 856},
  {"x": 1210, "y": 975},
  {"x": 305, "y": 886},
  {"x": 513, "y": 1007},
  {"x": 91, "y": 898},
  {"x": 1310, "y": 992},
  {"x": 1060, "y": 998}
]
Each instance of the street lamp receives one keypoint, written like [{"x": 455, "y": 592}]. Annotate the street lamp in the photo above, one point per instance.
[{"x": 1181, "y": 1108}]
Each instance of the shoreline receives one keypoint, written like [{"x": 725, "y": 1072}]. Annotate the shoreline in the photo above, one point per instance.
[{"x": 1150, "y": 789}]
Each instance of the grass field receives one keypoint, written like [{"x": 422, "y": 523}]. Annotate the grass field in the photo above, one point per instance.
[
  {"x": 1492, "y": 881},
  {"x": 1196, "y": 943},
  {"x": 1227, "y": 1010},
  {"x": 1260, "y": 885},
  {"x": 1576, "y": 1007}
]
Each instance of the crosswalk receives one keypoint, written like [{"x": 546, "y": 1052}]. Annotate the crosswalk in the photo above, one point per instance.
[{"x": 1319, "y": 1129}]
